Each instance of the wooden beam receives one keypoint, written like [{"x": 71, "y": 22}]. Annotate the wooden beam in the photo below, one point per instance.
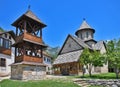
[
  {"x": 16, "y": 31},
  {"x": 25, "y": 26},
  {"x": 41, "y": 33}
]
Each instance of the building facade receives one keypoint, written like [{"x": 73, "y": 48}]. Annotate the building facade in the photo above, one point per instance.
[
  {"x": 67, "y": 62},
  {"x": 29, "y": 48},
  {"x": 6, "y": 52},
  {"x": 47, "y": 61}
]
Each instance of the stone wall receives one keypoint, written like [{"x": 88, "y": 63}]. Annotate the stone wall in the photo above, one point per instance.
[{"x": 28, "y": 72}]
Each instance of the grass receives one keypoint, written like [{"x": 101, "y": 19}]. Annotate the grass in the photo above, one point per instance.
[
  {"x": 54, "y": 82},
  {"x": 101, "y": 76},
  {"x": 40, "y": 83}
]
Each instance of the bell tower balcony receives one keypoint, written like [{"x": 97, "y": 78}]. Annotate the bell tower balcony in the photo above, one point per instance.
[
  {"x": 28, "y": 37},
  {"x": 28, "y": 58}
]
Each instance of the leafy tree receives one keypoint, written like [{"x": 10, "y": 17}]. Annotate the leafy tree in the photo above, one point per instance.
[
  {"x": 113, "y": 55},
  {"x": 90, "y": 58}
]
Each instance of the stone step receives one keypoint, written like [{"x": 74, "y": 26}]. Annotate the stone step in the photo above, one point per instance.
[{"x": 81, "y": 83}]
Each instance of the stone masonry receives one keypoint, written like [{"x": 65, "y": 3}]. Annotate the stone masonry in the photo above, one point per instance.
[{"x": 28, "y": 72}]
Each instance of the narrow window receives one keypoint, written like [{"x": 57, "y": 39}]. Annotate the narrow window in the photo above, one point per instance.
[
  {"x": 1, "y": 41},
  {"x": 81, "y": 36},
  {"x": 10, "y": 37},
  {"x": 5, "y": 35},
  {"x": 87, "y": 34},
  {"x": 44, "y": 59},
  {"x": 2, "y": 62}
]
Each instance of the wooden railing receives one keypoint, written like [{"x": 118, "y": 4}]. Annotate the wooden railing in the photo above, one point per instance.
[
  {"x": 5, "y": 51},
  {"x": 19, "y": 59},
  {"x": 29, "y": 37},
  {"x": 28, "y": 59},
  {"x": 32, "y": 38},
  {"x": 19, "y": 38}
]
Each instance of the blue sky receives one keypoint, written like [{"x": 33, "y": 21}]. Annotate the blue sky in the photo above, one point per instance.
[{"x": 64, "y": 17}]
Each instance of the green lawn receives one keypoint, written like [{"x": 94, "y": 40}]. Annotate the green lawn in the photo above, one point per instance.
[
  {"x": 42, "y": 83},
  {"x": 101, "y": 76},
  {"x": 53, "y": 82}
]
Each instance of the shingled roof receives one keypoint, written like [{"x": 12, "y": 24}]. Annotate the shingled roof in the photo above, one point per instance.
[
  {"x": 10, "y": 32},
  {"x": 98, "y": 45},
  {"x": 31, "y": 16},
  {"x": 84, "y": 26},
  {"x": 74, "y": 56},
  {"x": 68, "y": 57},
  {"x": 81, "y": 42}
]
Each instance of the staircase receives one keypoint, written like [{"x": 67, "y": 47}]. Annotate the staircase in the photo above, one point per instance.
[{"x": 81, "y": 83}]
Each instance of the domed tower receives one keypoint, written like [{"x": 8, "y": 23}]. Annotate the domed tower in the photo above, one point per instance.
[{"x": 85, "y": 32}]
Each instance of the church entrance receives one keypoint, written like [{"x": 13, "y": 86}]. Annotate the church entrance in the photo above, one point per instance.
[{"x": 65, "y": 70}]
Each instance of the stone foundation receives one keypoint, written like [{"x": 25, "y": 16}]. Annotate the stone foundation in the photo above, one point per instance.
[{"x": 28, "y": 72}]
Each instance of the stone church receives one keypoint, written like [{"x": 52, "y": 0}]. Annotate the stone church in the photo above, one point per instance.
[{"x": 67, "y": 62}]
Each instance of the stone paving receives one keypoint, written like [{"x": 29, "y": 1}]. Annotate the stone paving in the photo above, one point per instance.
[{"x": 98, "y": 82}]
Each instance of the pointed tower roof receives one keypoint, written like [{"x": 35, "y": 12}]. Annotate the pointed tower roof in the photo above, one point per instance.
[
  {"x": 84, "y": 26},
  {"x": 29, "y": 15}
]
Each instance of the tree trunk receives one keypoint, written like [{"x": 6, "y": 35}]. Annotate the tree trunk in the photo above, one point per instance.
[
  {"x": 117, "y": 72},
  {"x": 90, "y": 69},
  {"x": 83, "y": 70}
]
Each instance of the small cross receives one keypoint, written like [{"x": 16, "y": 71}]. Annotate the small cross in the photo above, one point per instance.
[
  {"x": 29, "y": 7},
  {"x": 84, "y": 19}
]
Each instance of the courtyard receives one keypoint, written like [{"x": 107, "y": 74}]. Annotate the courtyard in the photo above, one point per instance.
[{"x": 64, "y": 81}]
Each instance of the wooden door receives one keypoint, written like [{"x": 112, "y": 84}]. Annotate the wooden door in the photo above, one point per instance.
[{"x": 65, "y": 70}]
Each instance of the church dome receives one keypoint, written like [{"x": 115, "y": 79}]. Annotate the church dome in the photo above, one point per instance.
[{"x": 85, "y": 31}]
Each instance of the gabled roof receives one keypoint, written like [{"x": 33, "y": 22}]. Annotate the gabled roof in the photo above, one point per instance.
[
  {"x": 68, "y": 57},
  {"x": 77, "y": 40},
  {"x": 81, "y": 42},
  {"x": 29, "y": 14},
  {"x": 74, "y": 55},
  {"x": 10, "y": 32},
  {"x": 99, "y": 45}
]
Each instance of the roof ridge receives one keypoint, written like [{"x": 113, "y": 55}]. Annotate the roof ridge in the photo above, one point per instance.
[{"x": 81, "y": 42}]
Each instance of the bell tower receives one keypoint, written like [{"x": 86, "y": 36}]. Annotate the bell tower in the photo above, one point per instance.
[
  {"x": 28, "y": 47},
  {"x": 85, "y": 32}
]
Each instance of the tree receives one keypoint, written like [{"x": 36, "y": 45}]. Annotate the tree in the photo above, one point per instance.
[
  {"x": 90, "y": 58},
  {"x": 113, "y": 55}
]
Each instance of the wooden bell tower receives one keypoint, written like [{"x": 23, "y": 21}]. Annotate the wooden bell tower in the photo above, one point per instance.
[{"x": 29, "y": 44}]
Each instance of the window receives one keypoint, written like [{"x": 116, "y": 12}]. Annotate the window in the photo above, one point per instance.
[
  {"x": 48, "y": 60},
  {"x": 44, "y": 59},
  {"x": 5, "y": 43},
  {"x": 2, "y": 62},
  {"x": 5, "y": 35},
  {"x": 10, "y": 37},
  {"x": 81, "y": 36},
  {"x": 87, "y": 34},
  {"x": 1, "y": 41}
]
